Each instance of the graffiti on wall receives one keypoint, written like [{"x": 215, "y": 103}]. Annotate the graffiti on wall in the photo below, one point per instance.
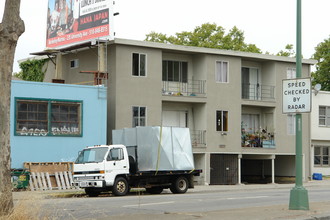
[{"x": 54, "y": 131}]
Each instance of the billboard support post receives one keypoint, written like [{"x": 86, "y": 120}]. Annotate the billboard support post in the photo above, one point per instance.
[{"x": 298, "y": 194}]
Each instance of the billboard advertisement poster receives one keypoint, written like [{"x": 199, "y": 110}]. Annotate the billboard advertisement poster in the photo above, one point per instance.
[{"x": 73, "y": 21}]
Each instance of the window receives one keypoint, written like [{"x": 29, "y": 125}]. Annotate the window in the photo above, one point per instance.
[
  {"x": 175, "y": 71},
  {"x": 74, "y": 63},
  {"x": 250, "y": 123},
  {"x": 48, "y": 118},
  {"x": 251, "y": 86},
  {"x": 139, "y": 64},
  {"x": 222, "y": 121},
  {"x": 174, "y": 118},
  {"x": 116, "y": 154},
  {"x": 92, "y": 155},
  {"x": 291, "y": 73},
  {"x": 321, "y": 155},
  {"x": 221, "y": 71},
  {"x": 324, "y": 116},
  {"x": 139, "y": 116},
  {"x": 291, "y": 124}
]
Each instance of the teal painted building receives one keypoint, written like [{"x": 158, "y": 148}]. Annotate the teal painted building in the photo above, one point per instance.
[{"x": 53, "y": 122}]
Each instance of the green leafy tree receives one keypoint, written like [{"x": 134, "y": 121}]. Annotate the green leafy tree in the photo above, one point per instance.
[
  {"x": 209, "y": 36},
  {"x": 32, "y": 70},
  {"x": 288, "y": 52},
  {"x": 322, "y": 73}
]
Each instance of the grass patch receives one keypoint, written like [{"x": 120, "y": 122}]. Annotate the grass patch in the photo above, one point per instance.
[{"x": 27, "y": 208}]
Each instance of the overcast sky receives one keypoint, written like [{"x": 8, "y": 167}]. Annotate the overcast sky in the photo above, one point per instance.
[{"x": 270, "y": 24}]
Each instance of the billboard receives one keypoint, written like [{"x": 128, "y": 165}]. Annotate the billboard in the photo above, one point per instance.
[{"x": 73, "y": 21}]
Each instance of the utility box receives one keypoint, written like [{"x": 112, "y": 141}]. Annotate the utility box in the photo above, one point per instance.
[{"x": 20, "y": 179}]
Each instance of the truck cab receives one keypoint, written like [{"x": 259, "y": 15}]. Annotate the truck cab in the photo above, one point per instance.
[{"x": 97, "y": 167}]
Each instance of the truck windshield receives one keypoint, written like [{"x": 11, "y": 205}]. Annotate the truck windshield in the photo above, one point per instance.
[{"x": 92, "y": 155}]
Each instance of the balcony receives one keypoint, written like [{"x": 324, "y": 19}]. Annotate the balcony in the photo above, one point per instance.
[
  {"x": 198, "y": 138},
  {"x": 189, "y": 88},
  {"x": 258, "y": 139},
  {"x": 258, "y": 92}
]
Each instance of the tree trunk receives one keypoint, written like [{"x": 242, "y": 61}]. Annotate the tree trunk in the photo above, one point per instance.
[{"x": 11, "y": 29}]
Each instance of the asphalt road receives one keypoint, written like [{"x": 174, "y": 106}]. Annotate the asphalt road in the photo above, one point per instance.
[{"x": 191, "y": 205}]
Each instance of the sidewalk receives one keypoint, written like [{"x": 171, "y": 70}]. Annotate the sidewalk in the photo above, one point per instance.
[{"x": 319, "y": 210}]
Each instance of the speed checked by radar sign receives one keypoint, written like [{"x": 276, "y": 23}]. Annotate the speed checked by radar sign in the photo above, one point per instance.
[{"x": 296, "y": 95}]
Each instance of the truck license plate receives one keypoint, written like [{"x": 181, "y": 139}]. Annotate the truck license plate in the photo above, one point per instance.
[{"x": 83, "y": 184}]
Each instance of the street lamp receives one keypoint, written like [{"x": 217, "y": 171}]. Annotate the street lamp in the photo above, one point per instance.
[{"x": 299, "y": 195}]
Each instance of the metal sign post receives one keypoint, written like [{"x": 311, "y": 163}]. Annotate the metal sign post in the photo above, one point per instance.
[{"x": 298, "y": 194}]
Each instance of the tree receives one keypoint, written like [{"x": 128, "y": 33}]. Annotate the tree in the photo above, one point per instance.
[
  {"x": 322, "y": 73},
  {"x": 288, "y": 52},
  {"x": 207, "y": 35},
  {"x": 32, "y": 70},
  {"x": 11, "y": 28}
]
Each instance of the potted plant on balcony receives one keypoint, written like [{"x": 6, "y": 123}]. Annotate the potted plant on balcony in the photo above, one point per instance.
[{"x": 260, "y": 138}]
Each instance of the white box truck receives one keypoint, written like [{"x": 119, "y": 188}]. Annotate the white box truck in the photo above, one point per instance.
[{"x": 154, "y": 158}]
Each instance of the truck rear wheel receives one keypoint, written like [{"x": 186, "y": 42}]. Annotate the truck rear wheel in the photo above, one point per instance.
[
  {"x": 179, "y": 185},
  {"x": 120, "y": 187}
]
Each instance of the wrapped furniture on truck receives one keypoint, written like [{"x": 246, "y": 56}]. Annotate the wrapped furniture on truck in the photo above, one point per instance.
[{"x": 155, "y": 158}]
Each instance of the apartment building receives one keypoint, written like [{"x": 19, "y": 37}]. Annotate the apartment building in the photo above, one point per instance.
[
  {"x": 320, "y": 130},
  {"x": 230, "y": 100}
]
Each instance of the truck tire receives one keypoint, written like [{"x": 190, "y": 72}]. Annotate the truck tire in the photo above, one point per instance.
[
  {"x": 91, "y": 192},
  {"x": 120, "y": 187},
  {"x": 179, "y": 185},
  {"x": 154, "y": 190}
]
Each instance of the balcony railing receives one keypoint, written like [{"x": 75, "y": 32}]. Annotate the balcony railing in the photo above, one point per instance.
[
  {"x": 190, "y": 88},
  {"x": 198, "y": 138},
  {"x": 258, "y": 139},
  {"x": 258, "y": 92}
]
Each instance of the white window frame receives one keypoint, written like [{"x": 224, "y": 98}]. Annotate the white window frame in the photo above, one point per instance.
[
  {"x": 325, "y": 117},
  {"x": 182, "y": 76},
  {"x": 139, "y": 67},
  {"x": 138, "y": 118},
  {"x": 291, "y": 73},
  {"x": 220, "y": 76},
  {"x": 75, "y": 63},
  {"x": 322, "y": 156}
]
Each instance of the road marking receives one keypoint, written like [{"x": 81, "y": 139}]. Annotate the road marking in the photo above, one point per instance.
[
  {"x": 147, "y": 204},
  {"x": 251, "y": 197}
]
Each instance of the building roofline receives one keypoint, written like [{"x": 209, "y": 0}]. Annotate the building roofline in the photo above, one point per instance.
[
  {"x": 204, "y": 50},
  {"x": 179, "y": 48}
]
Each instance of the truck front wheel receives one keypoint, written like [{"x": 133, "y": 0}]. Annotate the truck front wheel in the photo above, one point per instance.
[
  {"x": 120, "y": 187},
  {"x": 179, "y": 185}
]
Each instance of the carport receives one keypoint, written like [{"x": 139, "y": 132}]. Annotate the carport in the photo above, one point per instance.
[{"x": 257, "y": 168}]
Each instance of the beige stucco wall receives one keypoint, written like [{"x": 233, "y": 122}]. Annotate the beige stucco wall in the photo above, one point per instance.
[{"x": 136, "y": 91}]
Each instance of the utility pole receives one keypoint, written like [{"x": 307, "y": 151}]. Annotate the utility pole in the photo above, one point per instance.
[{"x": 298, "y": 194}]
